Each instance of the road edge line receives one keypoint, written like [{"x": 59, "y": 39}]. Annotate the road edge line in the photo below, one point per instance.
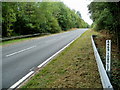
[
  {"x": 21, "y": 80},
  {"x": 49, "y": 59},
  {"x": 17, "y": 84}
]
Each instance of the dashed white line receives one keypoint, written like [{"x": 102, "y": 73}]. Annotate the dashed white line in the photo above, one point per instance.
[
  {"x": 20, "y": 51},
  {"x": 39, "y": 66}
]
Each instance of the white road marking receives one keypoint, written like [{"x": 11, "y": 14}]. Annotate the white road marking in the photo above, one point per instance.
[
  {"x": 21, "y": 80},
  {"x": 32, "y": 68},
  {"x": 41, "y": 65},
  {"x": 20, "y": 51},
  {"x": 48, "y": 60}
]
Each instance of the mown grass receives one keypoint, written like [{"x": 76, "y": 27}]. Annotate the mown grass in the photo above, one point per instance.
[
  {"x": 75, "y": 67},
  {"x": 14, "y": 41},
  {"x": 24, "y": 39}
]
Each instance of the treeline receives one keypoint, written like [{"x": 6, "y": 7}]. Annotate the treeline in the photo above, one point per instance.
[
  {"x": 106, "y": 16},
  {"x": 22, "y": 18}
]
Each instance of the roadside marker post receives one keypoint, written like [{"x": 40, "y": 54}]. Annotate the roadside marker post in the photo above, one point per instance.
[
  {"x": 108, "y": 57},
  {"x": 103, "y": 74}
]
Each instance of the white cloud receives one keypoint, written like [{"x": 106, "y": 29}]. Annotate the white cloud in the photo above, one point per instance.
[{"x": 80, "y": 5}]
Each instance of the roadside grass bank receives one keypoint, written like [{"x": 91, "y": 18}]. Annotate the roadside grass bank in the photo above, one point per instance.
[
  {"x": 100, "y": 41},
  {"x": 13, "y": 41},
  {"x": 28, "y": 38},
  {"x": 75, "y": 67}
]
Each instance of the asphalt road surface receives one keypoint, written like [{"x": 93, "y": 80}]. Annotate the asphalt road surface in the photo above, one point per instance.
[{"x": 19, "y": 58}]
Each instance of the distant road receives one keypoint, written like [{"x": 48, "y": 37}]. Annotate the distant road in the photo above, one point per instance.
[{"x": 18, "y": 59}]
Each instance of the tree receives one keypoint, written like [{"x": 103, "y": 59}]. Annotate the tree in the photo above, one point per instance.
[
  {"x": 22, "y": 18},
  {"x": 106, "y": 16},
  {"x": 79, "y": 14},
  {"x": 9, "y": 17}
]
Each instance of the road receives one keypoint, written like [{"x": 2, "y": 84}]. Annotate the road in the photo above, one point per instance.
[{"x": 18, "y": 59}]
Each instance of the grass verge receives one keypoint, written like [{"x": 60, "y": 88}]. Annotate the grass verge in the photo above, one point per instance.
[
  {"x": 100, "y": 41},
  {"x": 75, "y": 67},
  {"x": 24, "y": 39},
  {"x": 14, "y": 41}
]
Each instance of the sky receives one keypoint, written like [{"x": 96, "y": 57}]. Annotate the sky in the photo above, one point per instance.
[{"x": 81, "y": 6}]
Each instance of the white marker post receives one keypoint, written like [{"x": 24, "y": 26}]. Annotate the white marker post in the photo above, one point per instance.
[{"x": 108, "y": 57}]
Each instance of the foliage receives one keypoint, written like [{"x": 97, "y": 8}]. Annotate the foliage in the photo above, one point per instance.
[
  {"x": 21, "y": 18},
  {"x": 106, "y": 15},
  {"x": 8, "y": 19}
]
